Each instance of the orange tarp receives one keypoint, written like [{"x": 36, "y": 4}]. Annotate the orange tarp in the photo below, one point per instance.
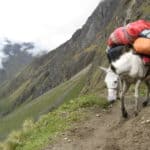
[{"x": 142, "y": 46}]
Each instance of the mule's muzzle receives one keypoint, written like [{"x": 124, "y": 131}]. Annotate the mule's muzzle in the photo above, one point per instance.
[{"x": 112, "y": 95}]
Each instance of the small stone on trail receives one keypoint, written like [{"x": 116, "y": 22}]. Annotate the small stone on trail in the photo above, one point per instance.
[
  {"x": 69, "y": 140},
  {"x": 66, "y": 138},
  {"x": 145, "y": 121},
  {"x": 98, "y": 115},
  {"x": 142, "y": 122}
]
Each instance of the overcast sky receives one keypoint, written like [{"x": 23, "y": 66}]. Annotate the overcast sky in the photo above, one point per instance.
[{"x": 47, "y": 22}]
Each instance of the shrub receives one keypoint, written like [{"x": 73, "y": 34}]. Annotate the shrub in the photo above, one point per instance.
[{"x": 28, "y": 125}]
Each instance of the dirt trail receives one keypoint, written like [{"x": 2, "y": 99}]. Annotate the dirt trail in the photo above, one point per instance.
[{"x": 106, "y": 130}]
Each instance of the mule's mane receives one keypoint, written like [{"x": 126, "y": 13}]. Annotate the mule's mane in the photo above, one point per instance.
[
  {"x": 115, "y": 53},
  {"x": 130, "y": 64},
  {"x": 116, "y": 56}
]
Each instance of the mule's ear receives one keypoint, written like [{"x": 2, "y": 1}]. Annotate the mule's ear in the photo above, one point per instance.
[{"x": 103, "y": 69}]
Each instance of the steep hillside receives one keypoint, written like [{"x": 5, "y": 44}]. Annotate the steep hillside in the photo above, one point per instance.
[
  {"x": 106, "y": 130},
  {"x": 36, "y": 135},
  {"x": 41, "y": 105},
  {"x": 61, "y": 64}
]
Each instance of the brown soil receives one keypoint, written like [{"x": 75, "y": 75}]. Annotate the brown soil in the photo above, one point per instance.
[{"x": 106, "y": 130}]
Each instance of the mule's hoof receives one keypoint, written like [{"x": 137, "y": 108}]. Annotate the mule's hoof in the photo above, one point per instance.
[
  {"x": 136, "y": 113},
  {"x": 118, "y": 98},
  {"x": 145, "y": 103},
  {"x": 125, "y": 114}
]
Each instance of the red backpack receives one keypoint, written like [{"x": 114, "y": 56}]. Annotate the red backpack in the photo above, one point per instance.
[
  {"x": 128, "y": 34},
  {"x": 135, "y": 28}
]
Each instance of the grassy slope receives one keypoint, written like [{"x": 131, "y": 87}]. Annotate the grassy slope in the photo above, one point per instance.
[
  {"x": 7, "y": 102},
  {"x": 43, "y": 104},
  {"x": 37, "y": 135}
]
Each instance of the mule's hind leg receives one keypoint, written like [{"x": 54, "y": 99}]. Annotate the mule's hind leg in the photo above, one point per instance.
[
  {"x": 124, "y": 90},
  {"x": 137, "y": 96},
  {"x": 145, "y": 103}
]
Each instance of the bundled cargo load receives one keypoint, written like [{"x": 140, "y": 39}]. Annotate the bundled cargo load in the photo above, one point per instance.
[
  {"x": 136, "y": 35},
  {"x": 128, "y": 34},
  {"x": 119, "y": 37},
  {"x": 142, "y": 46},
  {"x": 135, "y": 28}
]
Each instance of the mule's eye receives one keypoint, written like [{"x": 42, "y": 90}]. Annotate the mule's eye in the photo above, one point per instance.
[{"x": 115, "y": 81}]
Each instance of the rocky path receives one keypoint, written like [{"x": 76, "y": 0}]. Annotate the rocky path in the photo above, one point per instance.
[{"x": 106, "y": 130}]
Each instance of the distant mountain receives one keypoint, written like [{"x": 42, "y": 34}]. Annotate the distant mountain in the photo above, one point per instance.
[{"x": 15, "y": 57}]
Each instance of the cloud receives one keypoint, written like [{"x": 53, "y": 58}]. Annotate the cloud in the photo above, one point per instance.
[
  {"x": 3, "y": 57},
  {"x": 9, "y": 49},
  {"x": 45, "y": 22}
]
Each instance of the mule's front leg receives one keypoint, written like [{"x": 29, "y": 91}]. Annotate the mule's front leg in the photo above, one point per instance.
[
  {"x": 119, "y": 89},
  {"x": 122, "y": 96},
  {"x": 145, "y": 103},
  {"x": 137, "y": 97},
  {"x": 123, "y": 109}
]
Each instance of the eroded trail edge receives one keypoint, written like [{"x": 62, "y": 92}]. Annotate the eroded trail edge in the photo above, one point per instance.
[{"x": 106, "y": 130}]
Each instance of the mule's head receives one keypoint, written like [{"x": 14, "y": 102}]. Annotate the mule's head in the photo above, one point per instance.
[{"x": 112, "y": 81}]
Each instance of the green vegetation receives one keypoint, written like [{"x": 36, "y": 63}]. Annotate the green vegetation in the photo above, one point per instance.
[
  {"x": 145, "y": 8},
  {"x": 36, "y": 135},
  {"x": 91, "y": 48},
  {"x": 6, "y": 103},
  {"x": 41, "y": 105}
]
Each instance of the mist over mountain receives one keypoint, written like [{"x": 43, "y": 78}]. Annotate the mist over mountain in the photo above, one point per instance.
[{"x": 14, "y": 56}]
